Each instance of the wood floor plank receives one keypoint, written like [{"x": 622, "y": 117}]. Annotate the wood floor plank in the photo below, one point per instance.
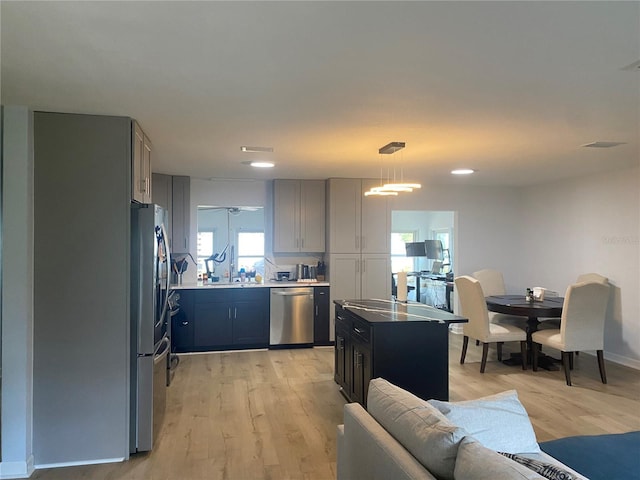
[{"x": 273, "y": 414}]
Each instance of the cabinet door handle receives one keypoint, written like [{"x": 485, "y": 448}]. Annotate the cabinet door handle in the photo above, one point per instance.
[
  {"x": 364, "y": 266},
  {"x": 185, "y": 323},
  {"x": 362, "y": 239},
  {"x": 229, "y": 313},
  {"x": 235, "y": 312},
  {"x": 357, "y": 330},
  {"x": 357, "y": 242},
  {"x": 302, "y": 243},
  {"x": 186, "y": 242},
  {"x": 316, "y": 310},
  {"x": 340, "y": 345}
]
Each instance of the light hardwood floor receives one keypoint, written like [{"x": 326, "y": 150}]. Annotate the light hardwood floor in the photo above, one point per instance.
[{"x": 273, "y": 414}]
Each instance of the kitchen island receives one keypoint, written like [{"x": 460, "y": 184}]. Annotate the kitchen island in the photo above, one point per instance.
[
  {"x": 405, "y": 343},
  {"x": 233, "y": 316}
]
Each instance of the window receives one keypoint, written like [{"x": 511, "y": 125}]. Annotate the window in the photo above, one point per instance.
[
  {"x": 205, "y": 249},
  {"x": 399, "y": 260},
  {"x": 251, "y": 252}
]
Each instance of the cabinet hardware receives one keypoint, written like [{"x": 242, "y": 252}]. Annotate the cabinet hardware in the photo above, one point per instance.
[
  {"x": 357, "y": 330},
  {"x": 185, "y": 323},
  {"x": 357, "y": 358},
  {"x": 235, "y": 312},
  {"x": 316, "y": 310}
]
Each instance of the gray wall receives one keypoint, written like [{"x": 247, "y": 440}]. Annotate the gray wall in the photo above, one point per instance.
[
  {"x": 81, "y": 288},
  {"x": 590, "y": 224}
]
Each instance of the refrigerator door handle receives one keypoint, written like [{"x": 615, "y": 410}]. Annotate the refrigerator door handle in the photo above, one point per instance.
[
  {"x": 167, "y": 254},
  {"x": 162, "y": 351}
]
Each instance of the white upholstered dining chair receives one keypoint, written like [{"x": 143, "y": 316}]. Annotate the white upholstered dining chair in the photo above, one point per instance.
[
  {"x": 585, "y": 277},
  {"x": 492, "y": 282},
  {"x": 592, "y": 277},
  {"x": 581, "y": 326},
  {"x": 474, "y": 307}
]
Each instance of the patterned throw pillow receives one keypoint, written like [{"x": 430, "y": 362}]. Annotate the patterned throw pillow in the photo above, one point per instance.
[{"x": 544, "y": 469}]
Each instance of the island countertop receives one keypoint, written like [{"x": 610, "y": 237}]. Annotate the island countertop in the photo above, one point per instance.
[
  {"x": 384, "y": 311},
  {"x": 223, "y": 285}
]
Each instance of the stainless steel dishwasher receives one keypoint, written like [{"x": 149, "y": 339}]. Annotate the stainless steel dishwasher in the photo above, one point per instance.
[{"x": 291, "y": 316}]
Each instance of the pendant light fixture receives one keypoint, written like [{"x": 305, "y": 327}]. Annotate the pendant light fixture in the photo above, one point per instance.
[{"x": 395, "y": 184}]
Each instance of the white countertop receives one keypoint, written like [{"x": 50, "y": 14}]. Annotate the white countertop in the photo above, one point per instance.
[{"x": 272, "y": 284}]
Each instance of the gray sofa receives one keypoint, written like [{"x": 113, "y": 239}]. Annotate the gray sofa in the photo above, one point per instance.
[{"x": 402, "y": 437}]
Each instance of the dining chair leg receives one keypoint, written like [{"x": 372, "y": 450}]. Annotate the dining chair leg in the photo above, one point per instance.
[
  {"x": 603, "y": 374},
  {"x": 570, "y": 360},
  {"x": 536, "y": 349},
  {"x": 500, "y": 351},
  {"x": 485, "y": 352},
  {"x": 567, "y": 369},
  {"x": 465, "y": 342},
  {"x": 523, "y": 353}
]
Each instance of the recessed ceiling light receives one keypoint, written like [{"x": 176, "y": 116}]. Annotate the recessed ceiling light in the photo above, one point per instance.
[
  {"x": 462, "y": 171},
  {"x": 262, "y": 164},
  {"x": 602, "y": 144},
  {"x": 256, "y": 149}
]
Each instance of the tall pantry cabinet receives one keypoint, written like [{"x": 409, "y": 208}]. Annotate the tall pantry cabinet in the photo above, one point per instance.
[
  {"x": 81, "y": 352},
  {"x": 358, "y": 241}
]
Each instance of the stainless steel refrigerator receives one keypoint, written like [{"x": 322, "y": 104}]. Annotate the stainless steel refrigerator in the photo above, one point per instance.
[{"x": 150, "y": 325}]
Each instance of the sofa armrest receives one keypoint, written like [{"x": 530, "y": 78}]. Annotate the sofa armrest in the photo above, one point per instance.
[{"x": 367, "y": 450}]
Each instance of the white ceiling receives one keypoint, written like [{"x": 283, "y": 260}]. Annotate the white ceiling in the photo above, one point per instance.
[{"x": 511, "y": 89}]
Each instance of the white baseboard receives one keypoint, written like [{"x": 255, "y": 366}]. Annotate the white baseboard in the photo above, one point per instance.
[
  {"x": 626, "y": 361},
  {"x": 83, "y": 462},
  {"x": 17, "y": 469}
]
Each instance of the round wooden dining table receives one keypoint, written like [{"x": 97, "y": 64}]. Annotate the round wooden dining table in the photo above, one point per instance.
[{"x": 550, "y": 307}]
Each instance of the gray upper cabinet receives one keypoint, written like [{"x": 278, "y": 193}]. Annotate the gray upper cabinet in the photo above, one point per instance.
[
  {"x": 140, "y": 165},
  {"x": 162, "y": 188},
  {"x": 181, "y": 219},
  {"x": 299, "y": 216}
]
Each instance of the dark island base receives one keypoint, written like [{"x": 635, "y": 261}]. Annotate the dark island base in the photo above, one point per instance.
[{"x": 406, "y": 344}]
